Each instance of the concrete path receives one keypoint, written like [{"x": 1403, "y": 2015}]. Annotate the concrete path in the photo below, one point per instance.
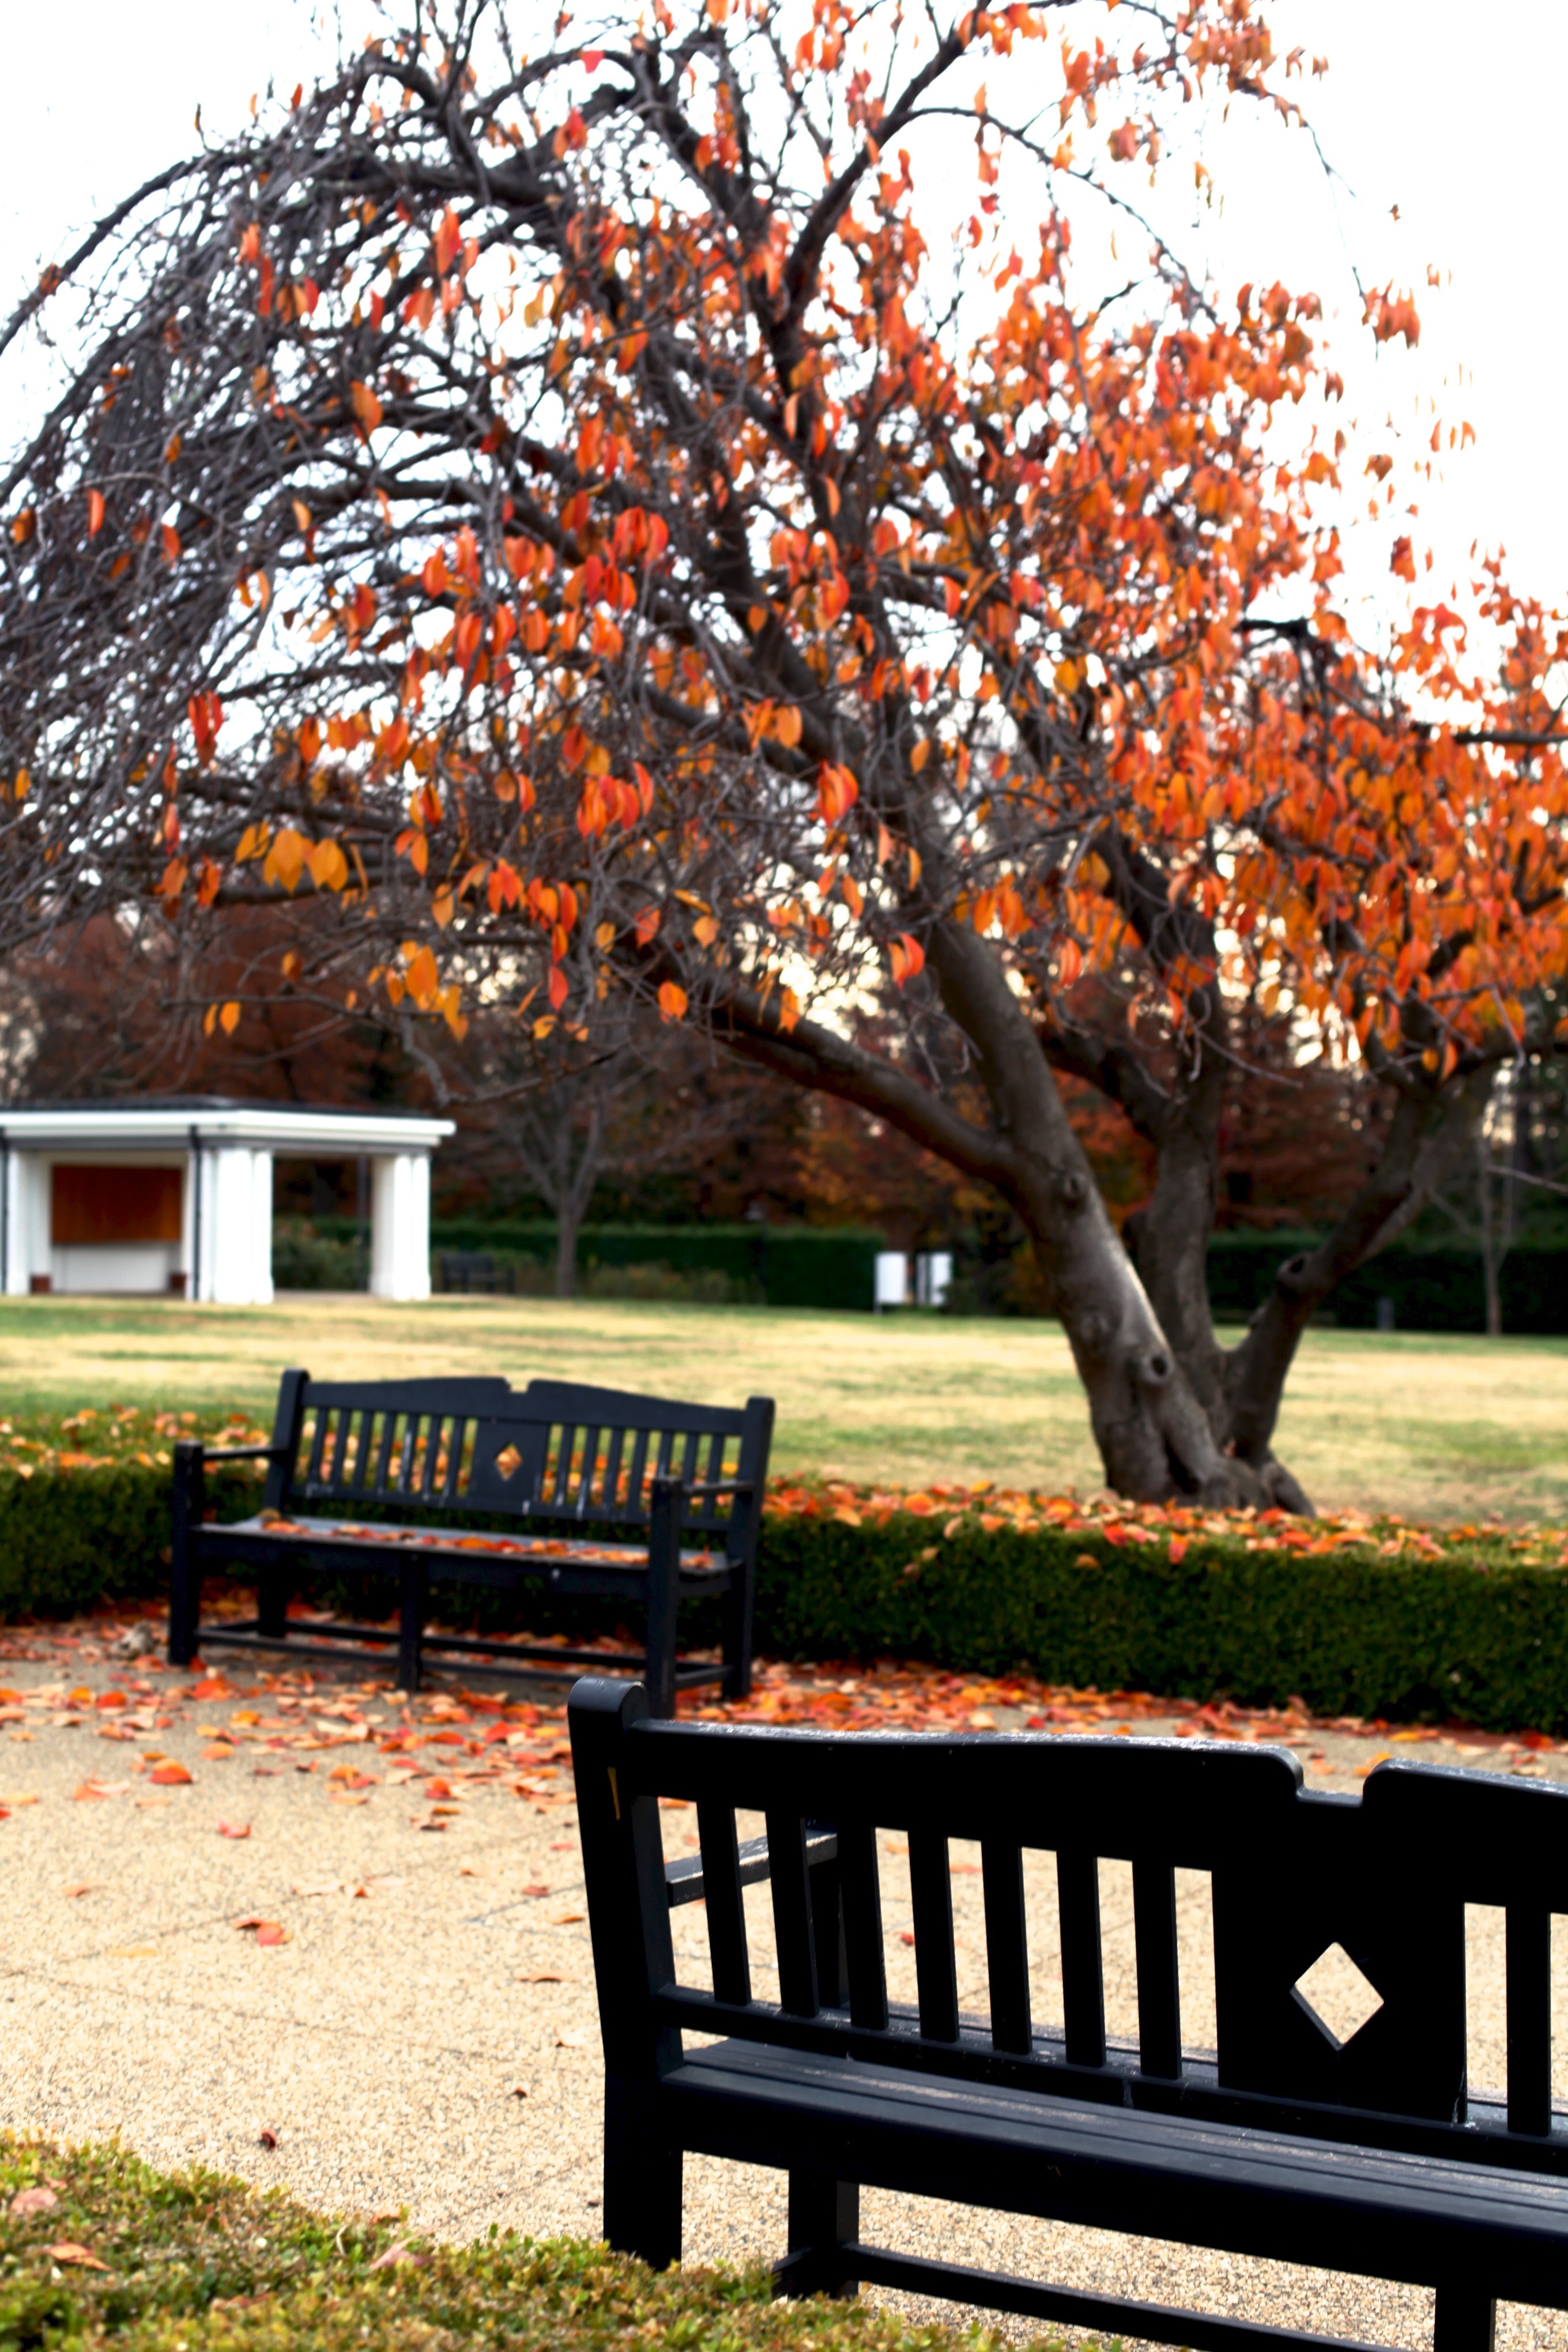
[{"x": 412, "y": 2023}]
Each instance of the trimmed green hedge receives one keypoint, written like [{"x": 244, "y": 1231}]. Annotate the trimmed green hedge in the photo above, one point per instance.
[
  {"x": 1391, "y": 1624},
  {"x": 1480, "y": 1633},
  {"x": 792, "y": 1265},
  {"x": 1440, "y": 1288}
]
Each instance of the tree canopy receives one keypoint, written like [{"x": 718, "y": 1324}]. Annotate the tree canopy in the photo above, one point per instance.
[{"x": 570, "y": 510}]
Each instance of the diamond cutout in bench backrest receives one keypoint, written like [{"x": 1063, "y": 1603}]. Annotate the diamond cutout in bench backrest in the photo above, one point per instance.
[{"x": 1338, "y": 1995}]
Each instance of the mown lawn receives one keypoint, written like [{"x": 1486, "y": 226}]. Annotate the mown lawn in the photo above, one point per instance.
[
  {"x": 1451, "y": 1428},
  {"x": 96, "y": 2249}
]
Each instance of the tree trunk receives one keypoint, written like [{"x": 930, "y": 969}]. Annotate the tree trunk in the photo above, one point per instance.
[{"x": 566, "y": 1253}]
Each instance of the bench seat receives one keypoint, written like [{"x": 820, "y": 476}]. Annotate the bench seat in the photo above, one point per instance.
[
  {"x": 567, "y": 1563},
  {"x": 1332, "y": 2204}
]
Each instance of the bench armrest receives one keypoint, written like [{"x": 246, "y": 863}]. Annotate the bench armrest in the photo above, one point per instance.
[{"x": 683, "y": 1880}]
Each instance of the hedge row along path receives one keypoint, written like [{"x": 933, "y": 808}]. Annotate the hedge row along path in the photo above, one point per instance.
[{"x": 334, "y": 1941}]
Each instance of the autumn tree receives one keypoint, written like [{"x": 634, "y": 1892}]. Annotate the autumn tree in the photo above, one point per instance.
[{"x": 601, "y": 509}]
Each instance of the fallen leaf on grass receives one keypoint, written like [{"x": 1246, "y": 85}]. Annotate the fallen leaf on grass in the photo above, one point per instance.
[
  {"x": 234, "y": 1828},
  {"x": 78, "y": 2255},
  {"x": 398, "y": 2253},
  {"x": 169, "y": 1775},
  {"x": 133, "y": 1951},
  {"x": 33, "y": 2201}
]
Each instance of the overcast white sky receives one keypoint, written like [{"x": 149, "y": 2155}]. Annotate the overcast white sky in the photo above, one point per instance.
[{"x": 1424, "y": 107}]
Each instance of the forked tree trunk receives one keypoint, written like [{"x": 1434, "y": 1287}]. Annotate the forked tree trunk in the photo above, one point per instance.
[{"x": 1173, "y": 1413}]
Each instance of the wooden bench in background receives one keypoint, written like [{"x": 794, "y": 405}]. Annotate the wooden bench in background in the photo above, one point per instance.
[
  {"x": 1374, "y": 2157},
  {"x": 650, "y": 1500}
]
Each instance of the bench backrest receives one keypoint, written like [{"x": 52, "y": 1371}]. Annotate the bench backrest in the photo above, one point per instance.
[
  {"x": 1385, "y": 1876},
  {"x": 558, "y": 1450}
]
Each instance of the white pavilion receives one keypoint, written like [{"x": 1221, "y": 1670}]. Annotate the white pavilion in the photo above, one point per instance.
[{"x": 174, "y": 1196}]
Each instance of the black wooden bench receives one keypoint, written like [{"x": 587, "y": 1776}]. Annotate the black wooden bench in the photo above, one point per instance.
[
  {"x": 475, "y": 1270},
  {"x": 642, "y": 1497},
  {"x": 1372, "y": 2158}
]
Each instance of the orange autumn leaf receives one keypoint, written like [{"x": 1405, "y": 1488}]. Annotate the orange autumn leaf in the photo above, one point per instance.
[{"x": 671, "y": 1002}]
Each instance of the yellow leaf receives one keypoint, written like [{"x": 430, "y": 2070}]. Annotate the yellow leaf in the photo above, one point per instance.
[
  {"x": 328, "y": 866},
  {"x": 302, "y": 514}
]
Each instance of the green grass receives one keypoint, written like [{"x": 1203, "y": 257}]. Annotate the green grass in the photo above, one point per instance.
[
  {"x": 1429, "y": 1427},
  {"x": 200, "y": 2263}
]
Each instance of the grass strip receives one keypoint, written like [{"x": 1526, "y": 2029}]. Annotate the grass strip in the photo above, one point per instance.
[{"x": 96, "y": 2248}]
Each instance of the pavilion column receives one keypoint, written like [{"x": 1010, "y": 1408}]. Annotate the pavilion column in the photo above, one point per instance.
[
  {"x": 400, "y": 1226},
  {"x": 235, "y": 1225}
]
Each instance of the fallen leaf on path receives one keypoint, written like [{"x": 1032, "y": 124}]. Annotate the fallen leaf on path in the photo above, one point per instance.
[
  {"x": 349, "y": 1797},
  {"x": 322, "y": 1886},
  {"x": 544, "y": 1976},
  {"x": 78, "y": 2255},
  {"x": 82, "y": 1886},
  {"x": 536, "y": 1890},
  {"x": 437, "y": 1789},
  {"x": 219, "y": 1755},
  {"x": 269, "y": 1932},
  {"x": 567, "y": 1919},
  {"x": 267, "y": 2135},
  {"x": 234, "y": 1828},
  {"x": 102, "y": 1789},
  {"x": 13, "y": 1803},
  {"x": 520, "y": 2090},
  {"x": 133, "y": 1951},
  {"x": 169, "y": 1775},
  {"x": 570, "y": 2040},
  {"x": 33, "y": 2201}
]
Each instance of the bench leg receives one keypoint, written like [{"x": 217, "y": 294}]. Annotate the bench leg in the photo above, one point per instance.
[
  {"x": 642, "y": 2179},
  {"x": 737, "y": 1682},
  {"x": 410, "y": 1626},
  {"x": 824, "y": 2215},
  {"x": 663, "y": 1591},
  {"x": 1466, "y": 2320},
  {"x": 185, "y": 1563},
  {"x": 272, "y": 1601}
]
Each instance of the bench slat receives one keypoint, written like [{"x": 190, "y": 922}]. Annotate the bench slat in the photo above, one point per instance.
[
  {"x": 789, "y": 1880},
  {"x": 725, "y": 1902},
  {"x": 1083, "y": 1986},
  {"x": 1528, "y": 1982},
  {"x": 861, "y": 1892},
  {"x": 936, "y": 1979},
  {"x": 1155, "y": 1945},
  {"x": 1006, "y": 1943}
]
